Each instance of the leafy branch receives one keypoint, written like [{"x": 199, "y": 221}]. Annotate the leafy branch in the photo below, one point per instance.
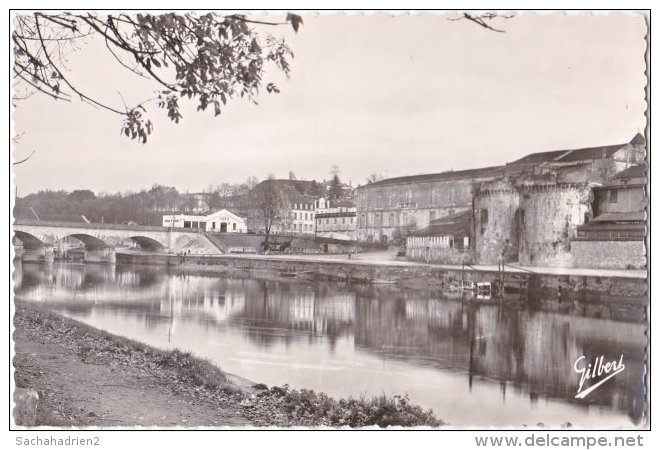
[{"x": 210, "y": 58}]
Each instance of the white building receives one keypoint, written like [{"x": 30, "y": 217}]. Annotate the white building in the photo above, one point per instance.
[
  {"x": 301, "y": 217},
  {"x": 337, "y": 220},
  {"x": 222, "y": 221}
]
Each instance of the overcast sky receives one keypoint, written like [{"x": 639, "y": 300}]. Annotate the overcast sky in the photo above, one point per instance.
[{"x": 369, "y": 93}]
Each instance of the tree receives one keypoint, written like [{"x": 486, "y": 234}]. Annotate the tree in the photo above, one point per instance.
[
  {"x": 336, "y": 190},
  {"x": 270, "y": 206},
  {"x": 208, "y": 58},
  {"x": 81, "y": 195},
  {"x": 374, "y": 177}
]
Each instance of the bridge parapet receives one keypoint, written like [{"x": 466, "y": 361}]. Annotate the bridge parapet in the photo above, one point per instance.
[{"x": 105, "y": 226}]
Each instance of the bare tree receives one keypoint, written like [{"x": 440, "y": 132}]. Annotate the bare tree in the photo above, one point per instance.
[
  {"x": 210, "y": 58},
  {"x": 374, "y": 177},
  {"x": 270, "y": 206}
]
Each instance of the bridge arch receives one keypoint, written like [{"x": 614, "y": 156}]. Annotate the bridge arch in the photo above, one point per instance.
[
  {"x": 91, "y": 242},
  {"x": 147, "y": 243},
  {"x": 30, "y": 241}
]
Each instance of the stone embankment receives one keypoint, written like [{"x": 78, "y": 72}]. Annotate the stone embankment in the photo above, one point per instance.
[{"x": 543, "y": 281}]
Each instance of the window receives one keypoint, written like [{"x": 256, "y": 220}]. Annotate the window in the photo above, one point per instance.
[
  {"x": 233, "y": 226},
  {"x": 484, "y": 216},
  {"x": 614, "y": 196},
  {"x": 484, "y": 219},
  {"x": 186, "y": 224}
]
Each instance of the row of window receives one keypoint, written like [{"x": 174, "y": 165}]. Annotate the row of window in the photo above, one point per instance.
[
  {"x": 303, "y": 216},
  {"x": 307, "y": 206},
  {"x": 405, "y": 197},
  {"x": 202, "y": 225},
  {"x": 334, "y": 220},
  {"x": 299, "y": 227}
]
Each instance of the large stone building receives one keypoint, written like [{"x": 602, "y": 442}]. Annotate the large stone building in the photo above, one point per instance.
[
  {"x": 391, "y": 209},
  {"x": 532, "y": 212}
]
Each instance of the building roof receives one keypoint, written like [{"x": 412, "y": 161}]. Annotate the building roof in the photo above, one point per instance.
[
  {"x": 634, "y": 216},
  {"x": 457, "y": 224},
  {"x": 449, "y": 175},
  {"x": 296, "y": 191},
  {"x": 638, "y": 140},
  {"x": 637, "y": 171},
  {"x": 610, "y": 226},
  {"x": 580, "y": 154},
  {"x": 342, "y": 204}
]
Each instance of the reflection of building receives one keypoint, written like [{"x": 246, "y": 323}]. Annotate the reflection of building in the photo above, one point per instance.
[
  {"x": 222, "y": 221},
  {"x": 336, "y": 220}
]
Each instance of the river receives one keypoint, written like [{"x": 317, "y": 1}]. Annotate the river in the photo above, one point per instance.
[{"x": 475, "y": 362}]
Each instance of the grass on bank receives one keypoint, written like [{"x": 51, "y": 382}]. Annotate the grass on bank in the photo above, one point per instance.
[{"x": 279, "y": 406}]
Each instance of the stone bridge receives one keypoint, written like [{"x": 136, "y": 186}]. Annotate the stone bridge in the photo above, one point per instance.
[{"x": 41, "y": 238}]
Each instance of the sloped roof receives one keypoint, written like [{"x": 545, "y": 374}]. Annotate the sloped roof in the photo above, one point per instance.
[
  {"x": 638, "y": 140},
  {"x": 342, "y": 204},
  {"x": 295, "y": 190},
  {"x": 452, "y": 174},
  {"x": 580, "y": 154},
  {"x": 633, "y": 216},
  {"x": 637, "y": 171},
  {"x": 223, "y": 212},
  {"x": 612, "y": 226},
  {"x": 457, "y": 224}
]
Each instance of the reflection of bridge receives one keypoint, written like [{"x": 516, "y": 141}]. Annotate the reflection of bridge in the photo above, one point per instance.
[{"x": 100, "y": 239}]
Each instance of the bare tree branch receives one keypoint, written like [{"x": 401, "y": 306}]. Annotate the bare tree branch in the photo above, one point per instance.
[
  {"x": 481, "y": 19},
  {"x": 23, "y": 160}
]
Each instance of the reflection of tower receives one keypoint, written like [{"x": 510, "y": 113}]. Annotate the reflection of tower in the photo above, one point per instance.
[
  {"x": 471, "y": 336},
  {"x": 171, "y": 300}
]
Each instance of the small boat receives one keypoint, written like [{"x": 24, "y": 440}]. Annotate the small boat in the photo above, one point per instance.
[
  {"x": 484, "y": 288},
  {"x": 480, "y": 288}
]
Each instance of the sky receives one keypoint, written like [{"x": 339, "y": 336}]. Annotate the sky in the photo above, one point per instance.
[{"x": 369, "y": 93}]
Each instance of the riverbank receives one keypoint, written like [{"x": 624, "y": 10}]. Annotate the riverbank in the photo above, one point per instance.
[
  {"x": 86, "y": 377},
  {"x": 383, "y": 268}
]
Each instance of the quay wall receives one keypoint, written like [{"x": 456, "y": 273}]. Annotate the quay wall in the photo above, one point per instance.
[{"x": 410, "y": 276}]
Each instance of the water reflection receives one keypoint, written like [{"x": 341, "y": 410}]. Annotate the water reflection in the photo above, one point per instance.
[{"x": 475, "y": 362}]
